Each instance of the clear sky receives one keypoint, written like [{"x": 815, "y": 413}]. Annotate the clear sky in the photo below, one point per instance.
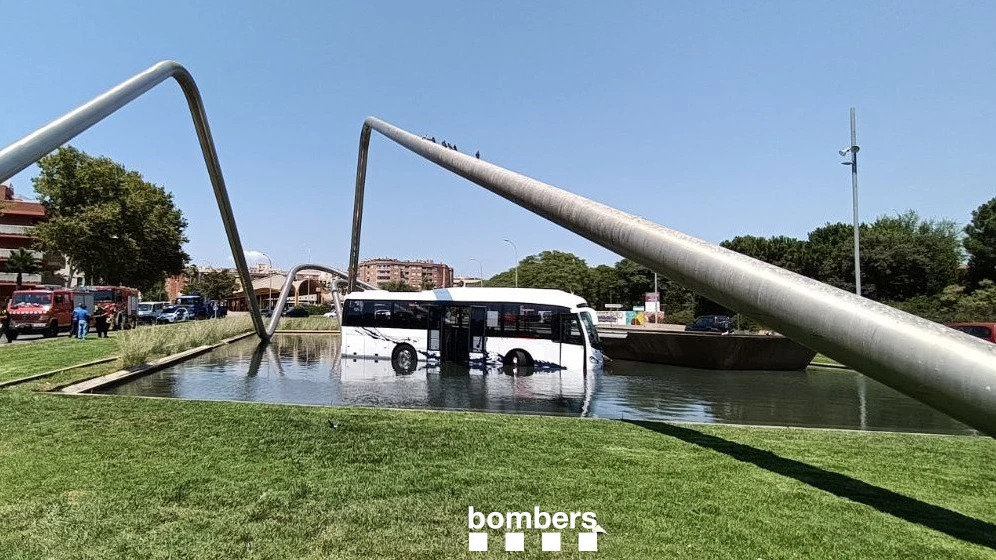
[{"x": 717, "y": 118}]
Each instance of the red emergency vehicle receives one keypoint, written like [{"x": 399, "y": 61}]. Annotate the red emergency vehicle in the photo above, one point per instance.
[
  {"x": 44, "y": 310},
  {"x": 120, "y": 303}
]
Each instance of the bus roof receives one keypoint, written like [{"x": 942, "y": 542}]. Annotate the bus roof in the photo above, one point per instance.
[{"x": 483, "y": 295}]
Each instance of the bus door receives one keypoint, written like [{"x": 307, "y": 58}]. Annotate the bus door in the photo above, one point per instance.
[
  {"x": 455, "y": 346},
  {"x": 567, "y": 331},
  {"x": 478, "y": 323}
]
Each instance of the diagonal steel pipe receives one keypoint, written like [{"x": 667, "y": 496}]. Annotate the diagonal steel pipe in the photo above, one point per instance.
[
  {"x": 286, "y": 288},
  {"x": 19, "y": 155},
  {"x": 946, "y": 369}
]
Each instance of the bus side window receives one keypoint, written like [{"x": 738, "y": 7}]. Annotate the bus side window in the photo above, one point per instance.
[
  {"x": 409, "y": 315},
  {"x": 353, "y": 313},
  {"x": 493, "y": 327},
  {"x": 59, "y": 298}
]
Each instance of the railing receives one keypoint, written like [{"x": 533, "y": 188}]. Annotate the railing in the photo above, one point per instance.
[
  {"x": 944, "y": 368},
  {"x": 16, "y": 230},
  {"x": 22, "y": 153}
]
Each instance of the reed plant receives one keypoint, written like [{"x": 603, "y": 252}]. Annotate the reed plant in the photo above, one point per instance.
[
  {"x": 312, "y": 323},
  {"x": 140, "y": 345}
]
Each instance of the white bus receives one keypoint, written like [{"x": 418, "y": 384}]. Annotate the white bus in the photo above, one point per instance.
[{"x": 520, "y": 327}]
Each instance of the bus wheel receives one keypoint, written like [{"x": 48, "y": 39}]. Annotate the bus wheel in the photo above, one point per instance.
[
  {"x": 52, "y": 331},
  {"x": 404, "y": 359},
  {"x": 518, "y": 358}
]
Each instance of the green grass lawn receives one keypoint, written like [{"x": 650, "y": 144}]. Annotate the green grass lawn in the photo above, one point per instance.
[
  {"x": 118, "y": 477},
  {"x": 21, "y": 360}
]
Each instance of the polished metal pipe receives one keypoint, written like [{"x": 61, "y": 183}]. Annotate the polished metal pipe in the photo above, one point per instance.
[
  {"x": 19, "y": 155},
  {"x": 946, "y": 369},
  {"x": 289, "y": 283}
]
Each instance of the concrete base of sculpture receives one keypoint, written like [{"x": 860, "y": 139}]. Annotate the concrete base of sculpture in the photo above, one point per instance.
[{"x": 705, "y": 350}]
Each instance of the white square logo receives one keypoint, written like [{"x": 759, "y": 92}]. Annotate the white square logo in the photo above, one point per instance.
[
  {"x": 477, "y": 542},
  {"x": 587, "y": 542},
  {"x": 551, "y": 542},
  {"x": 515, "y": 542}
]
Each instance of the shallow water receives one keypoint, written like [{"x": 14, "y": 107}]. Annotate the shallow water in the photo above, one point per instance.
[{"x": 306, "y": 369}]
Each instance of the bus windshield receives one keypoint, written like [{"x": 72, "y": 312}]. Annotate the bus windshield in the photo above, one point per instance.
[{"x": 589, "y": 327}]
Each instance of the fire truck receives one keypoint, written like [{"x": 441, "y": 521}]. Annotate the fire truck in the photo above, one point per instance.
[
  {"x": 44, "y": 310},
  {"x": 119, "y": 302}
]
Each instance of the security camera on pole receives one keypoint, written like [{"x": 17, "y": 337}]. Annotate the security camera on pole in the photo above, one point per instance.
[{"x": 853, "y": 150}]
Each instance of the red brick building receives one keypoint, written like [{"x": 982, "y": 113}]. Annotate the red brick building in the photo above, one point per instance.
[
  {"x": 413, "y": 273},
  {"x": 17, "y": 219}
]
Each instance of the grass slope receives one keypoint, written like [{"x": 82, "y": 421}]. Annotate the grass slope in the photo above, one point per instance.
[
  {"x": 21, "y": 360},
  {"x": 100, "y": 477}
]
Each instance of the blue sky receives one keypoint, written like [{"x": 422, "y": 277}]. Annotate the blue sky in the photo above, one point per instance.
[{"x": 717, "y": 119}]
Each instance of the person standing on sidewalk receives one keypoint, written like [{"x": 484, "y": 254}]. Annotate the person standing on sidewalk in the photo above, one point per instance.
[{"x": 82, "y": 317}]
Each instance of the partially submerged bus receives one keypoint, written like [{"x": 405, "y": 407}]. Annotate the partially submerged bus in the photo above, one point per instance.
[{"x": 521, "y": 327}]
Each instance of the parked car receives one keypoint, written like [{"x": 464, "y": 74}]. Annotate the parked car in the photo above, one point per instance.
[
  {"x": 711, "y": 323},
  {"x": 173, "y": 314},
  {"x": 296, "y": 312},
  {"x": 148, "y": 311},
  {"x": 985, "y": 331}
]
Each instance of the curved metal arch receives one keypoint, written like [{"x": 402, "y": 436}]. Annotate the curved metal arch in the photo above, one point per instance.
[
  {"x": 20, "y": 154},
  {"x": 285, "y": 292},
  {"x": 946, "y": 369}
]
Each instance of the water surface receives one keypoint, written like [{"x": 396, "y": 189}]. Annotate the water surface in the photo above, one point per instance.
[{"x": 306, "y": 369}]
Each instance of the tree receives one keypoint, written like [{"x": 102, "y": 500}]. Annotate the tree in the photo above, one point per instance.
[
  {"x": 904, "y": 256},
  {"x": 155, "y": 293},
  {"x": 396, "y": 286},
  {"x": 604, "y": 286},
  {"x": 428, "y": 284},
  {"x": 22, "y": 262},
  {"x": 110, "y": 223},
  {"x": 781, "y": 251},
  {"x": 213, "y": 284},
  {"x": 980, "y": 243},
  {"x": 550, "y": 269}
]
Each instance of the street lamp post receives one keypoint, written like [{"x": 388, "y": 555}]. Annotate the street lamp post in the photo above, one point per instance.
[
  {"x": 853, "y": 150},
  {"x": 516, "y": 251},
  {"x": 481, "y": 268}
]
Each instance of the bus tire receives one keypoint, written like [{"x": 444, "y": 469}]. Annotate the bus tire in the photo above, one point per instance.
[
  {"x": 404, "y": 358},
  {"x": 52, "y": 330},
  {"x": 518, "y": 358}
]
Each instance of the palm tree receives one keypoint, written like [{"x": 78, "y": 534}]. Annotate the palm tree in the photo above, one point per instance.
[{"x": 22, "y": 262}]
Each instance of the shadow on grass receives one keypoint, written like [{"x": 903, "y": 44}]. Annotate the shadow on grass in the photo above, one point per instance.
[{"x": 909, "y": 509}]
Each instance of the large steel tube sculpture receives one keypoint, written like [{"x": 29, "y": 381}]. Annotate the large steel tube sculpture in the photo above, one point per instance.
[
  {"x": 948, "y": 370},
  {"x": 22, "y": 153}
]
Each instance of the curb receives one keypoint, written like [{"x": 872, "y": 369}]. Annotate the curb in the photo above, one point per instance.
[
  {"x": 121, "y": 375},
  {"x": 91, "y": 384},
  {"x": 55, "y": 371}
]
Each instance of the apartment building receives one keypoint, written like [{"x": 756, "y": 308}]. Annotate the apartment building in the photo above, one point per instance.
[
  {"x": 416, "y": 274},
  {"x": 17, "y": 219}
]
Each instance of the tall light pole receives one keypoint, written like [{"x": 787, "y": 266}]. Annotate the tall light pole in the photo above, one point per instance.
[
  {"x": 853, "y": 150},
  {"x": 516, "y": 250},
  {"x": 481, "y": 267}
]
